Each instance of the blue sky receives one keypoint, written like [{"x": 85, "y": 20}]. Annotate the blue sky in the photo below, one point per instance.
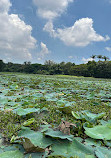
[{"x": 61, "y": 30}]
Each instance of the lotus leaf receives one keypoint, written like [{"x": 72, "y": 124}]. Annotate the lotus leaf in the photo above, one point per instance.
[
  {"x": 108, "y": 143},
  {"x": 1, "y": 151},
  {"x": 99, "y": 132},
  {"x": 105, "y": 122},
  {"x": 12, "y": 154},
  {"x": 21, "y": 111},
  {"x": 92, "y": 117},
  {"x": 88, "y": 116},
  {"x": 102, "y": 152},
  {"x": 33, "y": 140},
  {"x": 36, "y": 155},
  {"x": 93, "y": 142},
  {"x": 28, "y": 122},
  {"x": 66, "y": 109},
  {"x": 71, "y": 149},
  {"x": 58, "y": 134}
]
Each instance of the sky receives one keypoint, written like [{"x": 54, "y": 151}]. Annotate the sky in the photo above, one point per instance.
[{"x": 61, "y": 30}]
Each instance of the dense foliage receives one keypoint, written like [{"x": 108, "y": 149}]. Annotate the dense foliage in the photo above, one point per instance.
[
  {"x": 45, "y": 116},
  {"x": 99, "y": 69}
]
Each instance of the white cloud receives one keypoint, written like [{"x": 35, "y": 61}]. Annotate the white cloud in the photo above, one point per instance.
[
  {"x": 84, "y": 60},
  {"x": 81, "y": 33},
  {"x": 108, "y": 49},
  {"x": 70, "y": 57},
  {"x": 16, "y": 40},
  {"x": 4, "y": 6},
  {"x": 44, "y": 51},
  {"x": 50, "y": 9},
  {"x": 49, "y": 28}
]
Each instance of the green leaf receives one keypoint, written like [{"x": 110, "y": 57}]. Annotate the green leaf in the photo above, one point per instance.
[
  {"x": 21, "y": 111},
  {"x": 71, "y": 149},
  {"x": 3, "y": 101},
  {"x": 1, "y": 151},
  {"x": 28, "y": 122},
  {"x": 66, "y": 108},
  {"x": 105, "y": 122},
  {"x": 12, "y": 154},
  {"x": 14, "y": 86},
  {"x": 77, "y": 115},
  {"x": 58, "y": 134},
  {"x": 108, "y": 143},
  {"x": 45, "y": 127},
  {"x": 88, "y": 116},
  {"x": 102, "y": 152},
  {"x": 36, "y": 155},
  {"x": 33, "y": 141},
  {"x": 90, "y": 141},
  {"x": 99, "y": 132},
  {"x": 90, "y": 95}
]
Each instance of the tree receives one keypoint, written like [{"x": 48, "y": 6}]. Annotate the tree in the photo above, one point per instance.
[
  {"x": 27, "y": 63},
  {"x": 105, "y": 58},
  {"x": 2, "y": 65},
  {"x": 49, "y": 63},
  {"x": 93, "y": 57},
  {"x": 67, "y": 68},
  {"x": 99, "y": 57}
]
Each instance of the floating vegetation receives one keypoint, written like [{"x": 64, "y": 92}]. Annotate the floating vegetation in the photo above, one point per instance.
[{"x": 54, "y": 116}]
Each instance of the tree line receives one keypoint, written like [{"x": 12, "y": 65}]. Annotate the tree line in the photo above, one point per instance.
[{"x": 97, "y": 69}]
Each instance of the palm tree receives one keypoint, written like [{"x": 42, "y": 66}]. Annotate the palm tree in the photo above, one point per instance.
[
  {"x": 105, "y": 58},
  {"x": 93, "y": 57}
]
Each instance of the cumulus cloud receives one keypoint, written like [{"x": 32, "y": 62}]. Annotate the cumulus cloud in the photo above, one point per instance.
[
  {"x": 50, "y": 29},
  {"x": 44, "y": 51},
  {"x": 4, "y": 6},
  {"x": 16, "y": 40},
  {"x": 108, "y": 49},
  {"x": 50, "y": 9},
  {"x": 81, "y": 33},
  {"x": 84, "y": 60}
]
